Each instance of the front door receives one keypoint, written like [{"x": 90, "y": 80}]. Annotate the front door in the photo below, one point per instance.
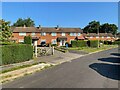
[{"x": 62, "y": 42}]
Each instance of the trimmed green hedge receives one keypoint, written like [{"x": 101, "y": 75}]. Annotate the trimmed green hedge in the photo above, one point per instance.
[
  {"x": 94, "y": 43},
  {"x": 117, "y": 42},
  {"x": 16, "y": 53},
  {"x": 28, "y": 40},
  {"x": 80, "y": 43}
]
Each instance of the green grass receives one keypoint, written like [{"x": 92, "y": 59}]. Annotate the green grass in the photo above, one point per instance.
[
  {"x": 89, "y": 49},
  {"x": 19, "y": 67}
]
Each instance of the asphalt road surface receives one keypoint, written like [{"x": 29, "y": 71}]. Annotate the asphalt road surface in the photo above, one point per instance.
[{"x": 99, "y": 70}]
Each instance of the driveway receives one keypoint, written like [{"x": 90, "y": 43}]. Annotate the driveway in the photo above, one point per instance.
[{"x": 99, "y": 70}]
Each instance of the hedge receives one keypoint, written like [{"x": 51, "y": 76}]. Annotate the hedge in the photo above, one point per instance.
[
  {"x": 108, "y": 42},
  {"x": 74, "y": 43},
  {"x": 117, "y": 42},
  {"x": 16, "y": 53},
  {"x": 27, "y": 40},
  {"x": 81, "y": 43},
  {"x": 94, "y": 43}
]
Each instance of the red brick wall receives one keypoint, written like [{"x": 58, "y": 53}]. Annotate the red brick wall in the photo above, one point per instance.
[{"x": 48, "y": 37}]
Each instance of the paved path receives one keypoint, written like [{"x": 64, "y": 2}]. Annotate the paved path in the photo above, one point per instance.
[
  {"x": 58, "y": 57},
  {"x": 99, "y": 70}
]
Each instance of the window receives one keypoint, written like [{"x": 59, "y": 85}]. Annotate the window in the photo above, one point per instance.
[
  {"x": 21, "y": 40},
  {"x": 97, "y": 37},
  {"x": 33, "y": 34},
  {"x": 54, "y": 41},
  {"x": 79, "y": 34},
  {"x": 91, "y": 37},
  {"x": 72, "y": 34},
  {"x": 108, "y": 37},
  {"x": 22, "y": 34},
  {"x": 102, "y": 36},
  {"x": 53, "y": 34},
  {"x": 43, "y": 34},
  {"x": 63, "y": 34}
]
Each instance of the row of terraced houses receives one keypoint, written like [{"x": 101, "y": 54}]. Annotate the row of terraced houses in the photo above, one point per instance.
[{"x": 57, "y": 35}]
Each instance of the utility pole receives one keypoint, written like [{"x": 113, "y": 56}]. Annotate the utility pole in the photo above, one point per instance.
[{"x": 98, "y": 38}]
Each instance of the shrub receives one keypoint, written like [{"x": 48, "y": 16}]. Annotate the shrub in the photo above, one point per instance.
[
  {"x": 16, "y": 53},
  {"x": 80, "y": 43},
  {"x": 74, "y": 43},
  {"x": 117, "y": 42},
  {"x": 108, "y": 42},
  {"x": 53, "y": 44},
  {"x": 94, "y": 43},
  {"x": 28, "y": 40}
]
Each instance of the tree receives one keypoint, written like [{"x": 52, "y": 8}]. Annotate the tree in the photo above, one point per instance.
[
  {"x": 5, "y": 30},
  {"x": 92, "y": 27},
  {"x": 21, "y": 22},
  {"x": 95, "y": 27},
  {"x": 28, "y": 40},
  {"x": 108, "y": 28}
]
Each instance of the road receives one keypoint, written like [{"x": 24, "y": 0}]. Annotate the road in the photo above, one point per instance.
[{"x": 99, "y": 70}]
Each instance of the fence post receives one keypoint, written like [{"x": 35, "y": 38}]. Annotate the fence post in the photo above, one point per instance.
[
  {"x": 53, "y": 50},
  {"x": 35, "y": 51}
]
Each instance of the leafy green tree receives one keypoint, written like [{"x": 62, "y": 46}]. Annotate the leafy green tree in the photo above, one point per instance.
[
  {"x": 28, "y": 40},
  {"x": 5, "y": 30},
  {"x": 21, "y": 22},
  {"x": 92, "y": 27},
  {"x": 108, "y": 28}
]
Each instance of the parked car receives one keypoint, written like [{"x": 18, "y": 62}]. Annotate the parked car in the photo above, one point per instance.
[{"x": 43, "y": 44}]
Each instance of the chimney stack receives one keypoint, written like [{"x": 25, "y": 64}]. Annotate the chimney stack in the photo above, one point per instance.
[
  {"x": 40, "y": 27},
  {"x": 57, "y": 27}
]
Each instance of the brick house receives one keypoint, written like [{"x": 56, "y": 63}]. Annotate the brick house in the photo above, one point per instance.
[
  {"x": 50, "y": 35},
  {"x": 100, "y": 36}
]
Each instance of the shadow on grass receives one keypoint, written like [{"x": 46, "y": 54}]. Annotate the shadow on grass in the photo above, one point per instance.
[{"x": 107, "y": 70}]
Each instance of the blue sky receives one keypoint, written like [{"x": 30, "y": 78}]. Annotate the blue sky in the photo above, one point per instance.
[{"x": 64, "y": 14}]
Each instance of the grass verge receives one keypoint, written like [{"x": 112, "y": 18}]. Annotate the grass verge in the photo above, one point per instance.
[{"x": 90, "y": 50}]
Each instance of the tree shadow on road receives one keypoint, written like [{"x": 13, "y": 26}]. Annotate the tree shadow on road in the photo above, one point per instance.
[
  {"x": 110, "y": 70},
  {"x": 110, "y": 59},
  {"x": 116, "y": 54},
  {"x": 107, "y": 70}
]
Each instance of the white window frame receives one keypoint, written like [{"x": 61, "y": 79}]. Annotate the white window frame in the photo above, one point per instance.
[
  {"x": 63, "y": 34},
  {"x": 102, "y": 36},
  {"x": 21, "y": 40},
  {"x": 53, "y": 34},
  {"x": 97, "y": 36},
  {"x": 33, "y": 34},
  {"x": 54, "y": 41},
  {"x": 73, "y": 34},
  {"x": 22, "y": 34},
  {"x": 91, "y": 36},
  {"x": 43, "y": 33},
  {"x": 79, "y": 34}
]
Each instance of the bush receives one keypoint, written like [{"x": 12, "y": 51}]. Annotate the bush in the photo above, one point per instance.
[
  {"x": 79, "y": 43},
  {"x": 28, "y": 40},
  {"x": 94, "y": 43},
  {"x": 108, "y": 42},
  {"x": 74, "y": 43},
  {"x": 117, "y": 42},
  {"x": 16, "y": 53},
  {"x": 53, "y": 44}
]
